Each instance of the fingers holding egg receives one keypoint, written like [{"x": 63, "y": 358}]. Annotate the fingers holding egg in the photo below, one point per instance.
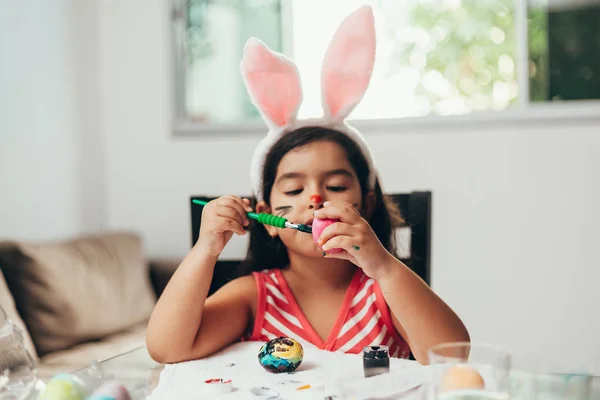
[{"x": 318, "y": 226}]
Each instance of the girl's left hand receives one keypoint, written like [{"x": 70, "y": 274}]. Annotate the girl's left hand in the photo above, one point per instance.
[{"x": 354, "y": 236}]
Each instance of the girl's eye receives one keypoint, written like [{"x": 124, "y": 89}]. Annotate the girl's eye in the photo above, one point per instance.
[
  {"x": 293, "y": 192},
  {"x": 336, "y": 188}
]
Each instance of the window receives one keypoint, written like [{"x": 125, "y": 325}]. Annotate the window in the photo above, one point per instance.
[{"x": 434, "y": 57}]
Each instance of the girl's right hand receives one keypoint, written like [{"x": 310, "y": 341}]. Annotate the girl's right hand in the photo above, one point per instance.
[{"x": 220, "y": 219}]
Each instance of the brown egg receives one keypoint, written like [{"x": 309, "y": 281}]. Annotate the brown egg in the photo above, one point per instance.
[{"x": 460, "y": 377}]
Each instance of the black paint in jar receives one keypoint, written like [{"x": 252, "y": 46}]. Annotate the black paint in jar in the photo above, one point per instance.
[{"x": 376, "y": 360}]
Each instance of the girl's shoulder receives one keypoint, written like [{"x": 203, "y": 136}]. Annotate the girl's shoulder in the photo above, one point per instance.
[{"x": 242, "y": 288}]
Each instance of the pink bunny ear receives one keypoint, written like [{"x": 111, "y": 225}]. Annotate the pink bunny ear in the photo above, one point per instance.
[
  {"x": 348, "y": 64},
  {"x": 273, "y": 83}
]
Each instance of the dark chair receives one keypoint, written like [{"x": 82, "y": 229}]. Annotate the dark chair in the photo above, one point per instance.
[{"x": 415, "y": 208}]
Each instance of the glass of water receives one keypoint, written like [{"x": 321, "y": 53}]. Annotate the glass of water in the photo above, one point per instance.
[
  {"x": 551, "y": 385},
  {"x": 468, "y": 371},
  {"x": 18, "y": 373}
]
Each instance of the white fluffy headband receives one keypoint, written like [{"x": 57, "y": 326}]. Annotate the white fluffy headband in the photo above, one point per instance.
[{"x": 273, "y": 83}]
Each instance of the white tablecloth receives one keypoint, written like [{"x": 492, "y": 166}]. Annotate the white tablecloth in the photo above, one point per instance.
[{"x": 328, "y": 374}]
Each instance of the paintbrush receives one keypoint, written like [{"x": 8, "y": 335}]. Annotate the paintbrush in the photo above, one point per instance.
[{"x": 270, "y": 219}]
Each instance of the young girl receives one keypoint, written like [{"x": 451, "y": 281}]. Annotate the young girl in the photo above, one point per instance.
[{"x": 343, "y": 293}]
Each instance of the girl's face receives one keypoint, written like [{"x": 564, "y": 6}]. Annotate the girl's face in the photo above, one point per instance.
[{"x": 306, "y": 177}]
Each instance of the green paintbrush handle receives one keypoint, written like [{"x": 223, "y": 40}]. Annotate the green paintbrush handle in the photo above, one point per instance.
[
  {"x": 263, "y": 218},
  {"x": 269, "y": 219}
]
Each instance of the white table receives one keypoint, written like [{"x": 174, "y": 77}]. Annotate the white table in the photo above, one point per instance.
[{"x": 148, "y": 380}]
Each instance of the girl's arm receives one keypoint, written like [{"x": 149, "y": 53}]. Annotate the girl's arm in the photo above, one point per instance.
[
  {"x": 419, "y": 315},
  {"x": 185, "y": 324}
]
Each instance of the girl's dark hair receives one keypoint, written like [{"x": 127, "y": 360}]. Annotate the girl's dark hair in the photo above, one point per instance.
[{"x": 265, "y": 252}]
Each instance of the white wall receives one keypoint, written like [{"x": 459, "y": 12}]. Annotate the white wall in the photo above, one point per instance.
[
  {"x": 37, "y": 142},
  {"x": 91, "y": 147},
  {"x": 44, "y": 47}
]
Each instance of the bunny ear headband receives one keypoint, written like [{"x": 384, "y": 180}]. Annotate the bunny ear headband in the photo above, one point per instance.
[{"x": 273, "y": 83}]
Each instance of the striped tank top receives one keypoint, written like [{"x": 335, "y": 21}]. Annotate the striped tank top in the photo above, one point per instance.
[{"x": 364, "y": 319}]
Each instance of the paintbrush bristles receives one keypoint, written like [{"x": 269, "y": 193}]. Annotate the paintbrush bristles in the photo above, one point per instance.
[
  {"x": 299, "y": 227},
  {"x": 304, "y": 228}
]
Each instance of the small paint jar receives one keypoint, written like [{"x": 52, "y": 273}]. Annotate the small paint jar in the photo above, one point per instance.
[
  {"x": 376, "y": 360},
  {"x": 217, "y": 386}
]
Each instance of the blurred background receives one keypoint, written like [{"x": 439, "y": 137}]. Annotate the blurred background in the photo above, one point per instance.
[{"x": 114, "y": 112}]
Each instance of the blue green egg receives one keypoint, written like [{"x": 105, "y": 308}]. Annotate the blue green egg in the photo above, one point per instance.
[{"x": 282, "y": 354}]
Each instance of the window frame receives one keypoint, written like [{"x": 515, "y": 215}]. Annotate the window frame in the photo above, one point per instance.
[{"x": 564, "y": 113}]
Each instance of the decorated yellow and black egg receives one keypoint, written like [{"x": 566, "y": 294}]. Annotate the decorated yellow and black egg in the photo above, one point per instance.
[{"x": 281, "y": 355}]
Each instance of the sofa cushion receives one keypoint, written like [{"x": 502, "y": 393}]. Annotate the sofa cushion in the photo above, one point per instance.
[
  {"x": 8, "y": 305},
  {"x": 78, "y": 290},
  {"x": 82, "y": 355}
]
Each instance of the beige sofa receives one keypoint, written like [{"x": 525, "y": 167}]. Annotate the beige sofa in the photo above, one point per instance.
[{"x": 80, "y": 300}]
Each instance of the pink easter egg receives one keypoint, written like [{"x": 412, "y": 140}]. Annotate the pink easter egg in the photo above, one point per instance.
[
  {"x": 111, "y": 390},
  {"x": 318, "y": 226}
]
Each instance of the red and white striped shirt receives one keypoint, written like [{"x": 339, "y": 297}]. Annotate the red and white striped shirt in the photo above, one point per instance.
[{"x": 364, "y": 319}]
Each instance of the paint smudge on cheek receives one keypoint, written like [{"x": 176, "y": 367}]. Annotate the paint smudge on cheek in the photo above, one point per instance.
[{"x": 282, "y": 210}]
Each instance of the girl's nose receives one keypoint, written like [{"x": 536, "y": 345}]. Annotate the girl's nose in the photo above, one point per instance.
[{"x": 316, "y": 201}]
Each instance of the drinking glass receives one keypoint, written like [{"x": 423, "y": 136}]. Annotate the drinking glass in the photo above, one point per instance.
[
  {"x": 551, "y": 385},
  {"x": 468, "y": 371},
  {"x": 18, "y": 373}
]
